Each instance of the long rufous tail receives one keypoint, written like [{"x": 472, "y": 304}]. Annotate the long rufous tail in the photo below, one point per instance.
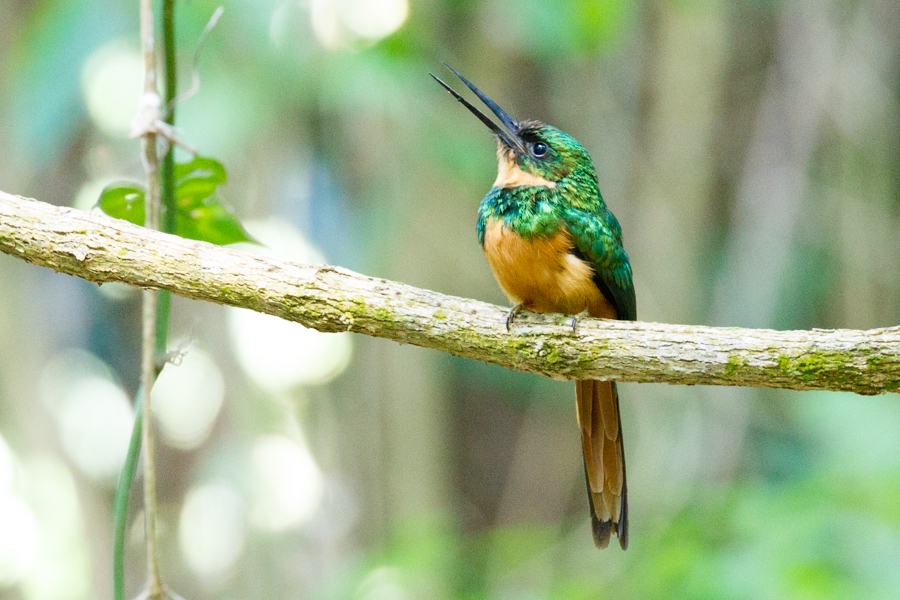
[{"x": 604, "y": 459}]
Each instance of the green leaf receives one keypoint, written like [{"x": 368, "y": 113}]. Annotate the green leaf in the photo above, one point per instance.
[
  {"x": 197, "y": 180},
  {"x": 123, "y": 200},
  {"x": 201, "y": 215},
  {"x": 212, "y": 222}
]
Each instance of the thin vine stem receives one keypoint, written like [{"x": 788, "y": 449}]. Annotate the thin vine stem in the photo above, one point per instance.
[
  {"x": 167, "y": 180},
  {"x": 149, "y": 348},
  {"x": 157, "y": 309},
  {"x": 170, "y": 90},
  {"x": 126, "y": 478},
  {"x": 148, "y": 377}
]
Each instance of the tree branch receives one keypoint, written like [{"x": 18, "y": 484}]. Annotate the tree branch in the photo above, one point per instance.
[{"x": 101, "y": 249}]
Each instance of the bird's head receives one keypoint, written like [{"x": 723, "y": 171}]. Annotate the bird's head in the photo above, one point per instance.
[{"x": 529, "y": 152}]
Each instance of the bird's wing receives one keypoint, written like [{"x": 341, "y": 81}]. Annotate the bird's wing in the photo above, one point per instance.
[{"x": 598, "y": 241}]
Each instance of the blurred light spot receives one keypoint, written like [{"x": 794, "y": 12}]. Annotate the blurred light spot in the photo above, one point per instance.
[
  {"x": 63, "y": 567},
  {"x": 383, "y": 583},
  {"x": 187, "y": 398},
  {"x": 287, "y": 484},
  {"x": 19, "y": 539},
  {"x": 52, "y": 494},
  {"x": 277, "y": 24},
  {"x": 277, "y": 354},
  {"x": 326, "y": 25},
  {"x": 337, "y": 23},
  {"x": 112, "y": 81},
  {"x": 93, "y": 413},
  {"x": 66, "y": 367},
  {"x": 374, "y": 19},
  {"x": 7, "y": 467},
  {"x": 211, "y": 529},
  {"x": 280, "y": 239},
  {"x": 95, "y": 423},
  {"x": 285, "y": 22}
]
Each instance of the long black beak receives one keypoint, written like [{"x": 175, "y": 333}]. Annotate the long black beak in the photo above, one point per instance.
[{"x": 510, "y": 139}]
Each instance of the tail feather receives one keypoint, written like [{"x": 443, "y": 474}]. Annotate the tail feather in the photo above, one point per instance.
[{"x": 604, "y": 459}]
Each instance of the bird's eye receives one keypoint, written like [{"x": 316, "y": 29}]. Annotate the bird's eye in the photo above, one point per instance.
[{"x": 540, "y": 149}]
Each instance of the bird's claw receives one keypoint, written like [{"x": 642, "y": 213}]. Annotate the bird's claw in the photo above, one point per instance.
[
  {"x": 576, "y": 318},
  {"x": 513, "y": 312}
]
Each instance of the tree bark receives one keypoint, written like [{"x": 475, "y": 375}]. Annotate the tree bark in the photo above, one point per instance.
[{"x": 102, "y": 249}]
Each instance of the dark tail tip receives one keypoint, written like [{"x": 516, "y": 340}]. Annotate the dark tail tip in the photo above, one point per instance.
[
  {"x": 622, "y": 529},
  {"x": 623, "y": 537},
  {"x": 601, "y": 532}
]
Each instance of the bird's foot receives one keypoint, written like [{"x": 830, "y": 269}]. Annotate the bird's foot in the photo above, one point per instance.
[
  {"x": 577, "y": 318},
  {"x": 512, "y": 314}
]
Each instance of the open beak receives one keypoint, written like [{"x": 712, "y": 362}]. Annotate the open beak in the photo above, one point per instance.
[{"x": 509, "y": 138}]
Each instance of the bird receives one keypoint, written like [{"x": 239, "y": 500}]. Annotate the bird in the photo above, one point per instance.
[{"x": 554, "y": 247}]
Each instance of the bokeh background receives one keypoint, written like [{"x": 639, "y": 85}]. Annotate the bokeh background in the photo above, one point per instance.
[{"x": 749, "y": 149}]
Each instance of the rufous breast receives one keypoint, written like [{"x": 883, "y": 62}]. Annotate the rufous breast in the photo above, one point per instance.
[{"x": 542, "y": 273}]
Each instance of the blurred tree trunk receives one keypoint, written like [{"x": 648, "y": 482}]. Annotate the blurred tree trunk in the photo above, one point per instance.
[{"x": 683, "y": 77}]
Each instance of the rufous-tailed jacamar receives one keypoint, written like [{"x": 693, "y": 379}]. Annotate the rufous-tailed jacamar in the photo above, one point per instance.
[{"x": 554, "y": 246}]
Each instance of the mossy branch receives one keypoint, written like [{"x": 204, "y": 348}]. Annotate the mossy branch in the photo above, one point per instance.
[{"x": 101, "y": 249}]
